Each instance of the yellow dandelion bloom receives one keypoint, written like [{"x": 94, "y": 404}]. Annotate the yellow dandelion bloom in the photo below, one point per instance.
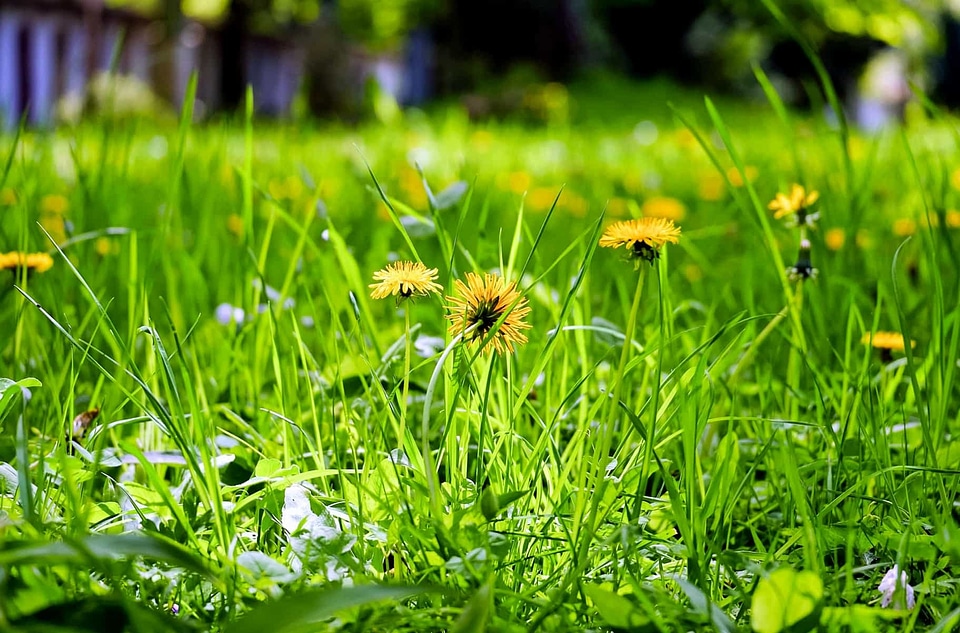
[
  {"x": 519, "y": 181},
  {"x": 835, "y": 238},
  {"x": 483, "y": 301},
  {"x": 104, "y": 246},
  {"x": 541, "y": 198},
  {"x": 54, "y": 204},
  {"x": 904, "y": 227},
  {"x": 481, "y": 139},
  {"x": 644, "y": 237},
  {"x": 574, "y": 204},
  {"x": 798, "y": 201},
  {"x": 55, "y": 226},
  {"x": 664, "y": 207},
  {"x": 8, "y": 197},
  {"x": 886, "y": 340},
  {"x": 710, "y": 187},
  {"x": 736, "y": 179},
  {"x": 235, "y": 225},
  {"x": 404, "y": 280},
  {"x": 955, "y": 178},
  {"x": 618, "y": 207},
  {"x": 39, "y": 262},
  {"x": 953, "y": 219}
]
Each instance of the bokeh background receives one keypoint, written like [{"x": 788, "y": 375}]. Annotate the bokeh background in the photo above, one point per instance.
[{"x": 351, "y": 59}]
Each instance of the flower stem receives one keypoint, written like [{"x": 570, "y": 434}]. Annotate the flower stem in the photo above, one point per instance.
[{"x": 402, "y": 437}]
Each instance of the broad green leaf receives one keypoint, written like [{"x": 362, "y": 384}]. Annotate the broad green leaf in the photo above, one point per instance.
[
  {"x": 614, "y": 609},
  {"x": 474, "y": 617},
  {"x": 298, "y": 611},
  {"x": 262, "y": 566},
  {"x": 788, "y": 601},
  {"x": 105, "y": 547},
  {"x": 10, "y": 388}
]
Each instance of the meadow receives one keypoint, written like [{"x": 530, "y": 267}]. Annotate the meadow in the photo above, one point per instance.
[{"x": 210, "y": 423}]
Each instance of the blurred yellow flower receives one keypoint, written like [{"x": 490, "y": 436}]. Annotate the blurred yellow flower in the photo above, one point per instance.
[
  {"x": 55, "y": 204},
  {"x": 904, "y": 227},
  {"x": 235, "y": 225},
  {"x": 886, "y": 340},
  {"x": 8, "y": 197},
  {"x": 541, "y": 198},
  {"x": 857, "y": 148},
  {"x": 736, "y": 179},
  {"x": 289, "y": 188},
  {"x": 39, "y": 262},
  {"x": 952, "y": 219},
  {"x": 55, "y": 226},
  {"x": 519, "y": 181},
  {"x": 955, "y": 179},
  {"x": 834, "y": 239},
  {"x": 783, "y": 205},
  {"x": 104, "y": 246},
  {"x": 414, "y": 192},
  {"x": 664, "y": 207},
  {"x": 481, "y": 139},
  {"x": 618, "y": 207},
  {"x": 574, "y": 204},
  {"x": 685, "y": 138},
  {"x": 710, "y": 187}
]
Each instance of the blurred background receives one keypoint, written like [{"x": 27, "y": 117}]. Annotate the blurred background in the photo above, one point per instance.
[{"x": 62, "y": 60}]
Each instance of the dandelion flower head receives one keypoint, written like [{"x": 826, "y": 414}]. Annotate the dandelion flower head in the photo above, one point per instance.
[
  {"x": 480, "y": 303},
  {"x": 39, "y": 262},
  {"x": 643, "y": 237},
  {"x": 886, "y": 340},
  {"x": 404, "y": 280},
  {"x": 797, "y": 203}
]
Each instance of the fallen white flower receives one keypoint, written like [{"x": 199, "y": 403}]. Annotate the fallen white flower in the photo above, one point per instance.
[{"x": 893, "y": 580}]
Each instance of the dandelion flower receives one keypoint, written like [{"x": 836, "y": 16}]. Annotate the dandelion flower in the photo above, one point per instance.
[
  {"x": 404, "y": 280},
  {"x": 235, "y": 225},
  {"x": 54, "y": 204},
  {"x": 835, "y": 238},
  {"x": 39, "y": 262},
  {"x": 664, "y": 207},
  {"x": 892, "y": 341},
  {"x": 644, "y": 237},
  {"x": 904, "y": 227},
  {"x": 893, "y": 581},
  {"x": 483, "y": 301},
  {"x": 797, "y": 203}
]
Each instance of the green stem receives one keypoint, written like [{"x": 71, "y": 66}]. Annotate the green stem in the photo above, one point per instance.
[{"x": 402, "y": 436}]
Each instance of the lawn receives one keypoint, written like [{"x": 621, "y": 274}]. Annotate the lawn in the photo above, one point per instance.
[{"x": 209, "y": 422}]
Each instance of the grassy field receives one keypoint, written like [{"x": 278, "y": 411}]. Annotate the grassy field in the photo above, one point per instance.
[{"x": 208, "y": 423}]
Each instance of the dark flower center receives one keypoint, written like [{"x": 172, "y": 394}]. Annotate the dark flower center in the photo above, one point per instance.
[
  {"x": 645, "y": 252},
  {"x": 485, "y": 316}
]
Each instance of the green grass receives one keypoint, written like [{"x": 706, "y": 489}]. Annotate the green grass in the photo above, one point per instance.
[{"x": 661, "y": 445}]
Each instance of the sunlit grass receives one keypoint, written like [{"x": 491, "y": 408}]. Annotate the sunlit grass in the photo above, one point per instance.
[{"x": 668, "y": 431}]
